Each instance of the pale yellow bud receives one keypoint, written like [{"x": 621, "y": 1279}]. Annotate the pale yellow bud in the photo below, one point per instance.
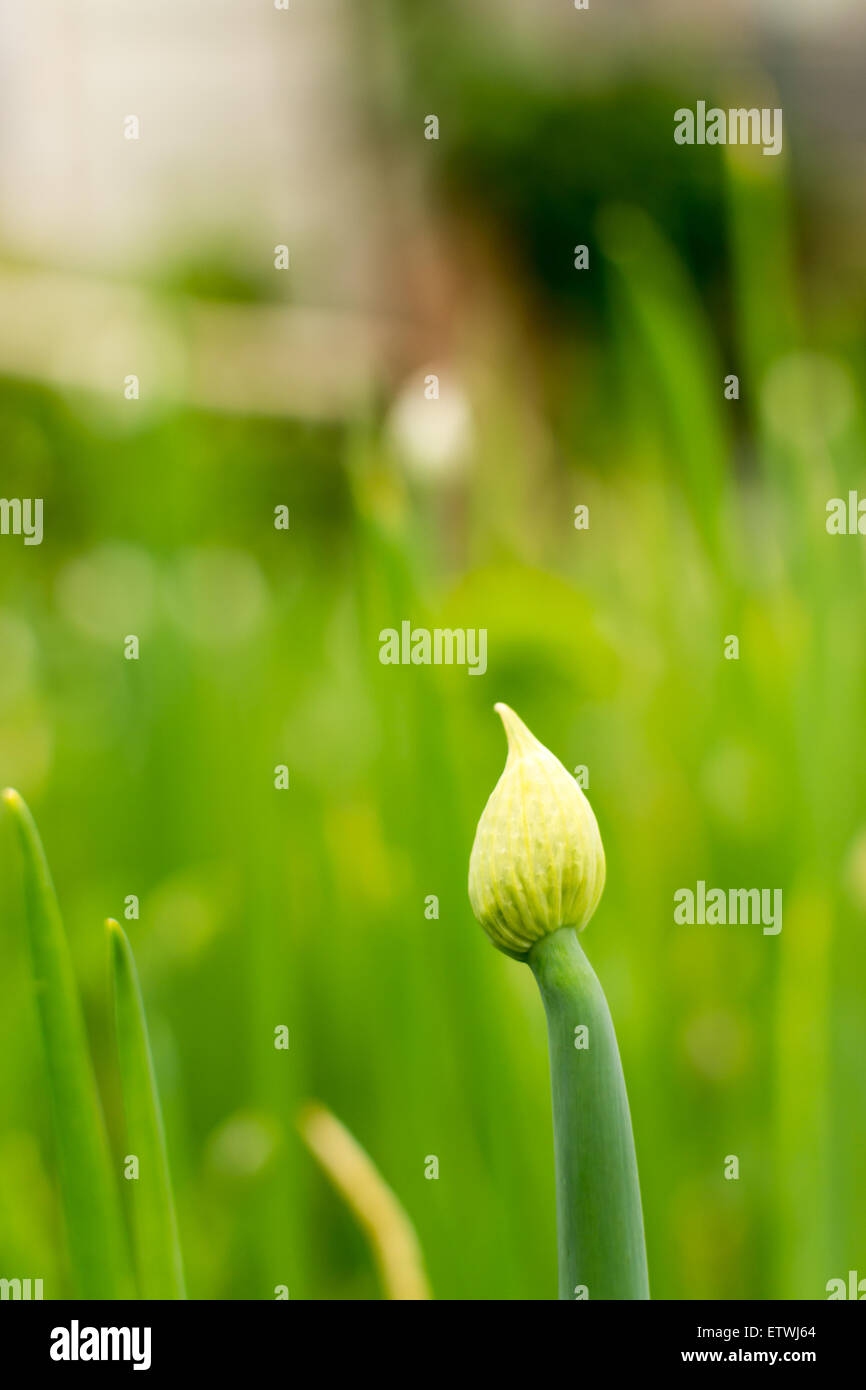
[{"x": 537, "y": 863}]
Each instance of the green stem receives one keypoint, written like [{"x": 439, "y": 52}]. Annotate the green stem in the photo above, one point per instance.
[
  {"x": 598, "y": 1211},
  {"x": 157, "y": 1247}
]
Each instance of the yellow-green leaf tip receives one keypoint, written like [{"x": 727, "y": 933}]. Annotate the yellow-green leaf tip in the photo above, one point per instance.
[
  {"x": 11, "y": 797},
  {"x": 537, "y": 863}
]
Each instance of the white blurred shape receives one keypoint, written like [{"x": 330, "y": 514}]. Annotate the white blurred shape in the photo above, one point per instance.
[
  {"x": 108, "y": 593},
  {"x": 17, "y": 657},
  {"x": 243, "y": 1145},
  {"x": 432, "y": 437},
  {"x": 217, "y": 597},
  {"x": 808, "y": 398}
]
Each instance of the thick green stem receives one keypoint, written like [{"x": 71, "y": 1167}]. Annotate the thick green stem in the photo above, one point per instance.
[{"x": 598, "y": 1212}]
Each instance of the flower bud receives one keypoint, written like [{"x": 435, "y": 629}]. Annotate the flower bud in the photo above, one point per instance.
[{"x": 537, "y": 863}]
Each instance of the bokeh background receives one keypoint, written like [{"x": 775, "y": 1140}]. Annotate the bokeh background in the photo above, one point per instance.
[{"x": 260, "y": 647}]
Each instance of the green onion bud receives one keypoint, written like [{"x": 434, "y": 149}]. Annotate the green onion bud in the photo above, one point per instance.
[{"x": 537, "y": 863}]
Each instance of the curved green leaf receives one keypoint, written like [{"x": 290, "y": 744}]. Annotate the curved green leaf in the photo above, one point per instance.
[
  {"x": 90, "y": 1200},
  {"x": 157, "y": 1247}
]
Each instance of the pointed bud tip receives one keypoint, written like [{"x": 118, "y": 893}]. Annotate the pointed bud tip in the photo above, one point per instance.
[
  {"x": 115, "y": 936},
  {"x": 537, "y": 863},
  {"x": 11, "y": 797},
  {"x": 520, "y": 738}
]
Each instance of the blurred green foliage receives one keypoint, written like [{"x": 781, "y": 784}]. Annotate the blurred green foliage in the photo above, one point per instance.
[{"x": 306, "y": 907}]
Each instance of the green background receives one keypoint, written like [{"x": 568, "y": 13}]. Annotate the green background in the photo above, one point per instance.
[{"x": 260, "y": 647}]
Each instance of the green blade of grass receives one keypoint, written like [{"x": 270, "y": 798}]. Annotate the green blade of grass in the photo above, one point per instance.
[
  {"x": 377, "y": 1209},
  {"x": 157, "y": 1247},
  {"x": 90, "y": 1200},
  {"x": 669, "y": 334}
]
